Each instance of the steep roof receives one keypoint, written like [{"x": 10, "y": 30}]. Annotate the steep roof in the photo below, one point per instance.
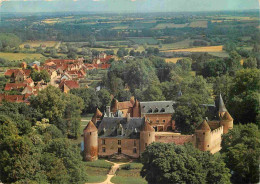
[
  {"x": 227, "y": 116},
  {"x": 222, "y": 107},
  {"x": 204, "y": 126},
  {"x": 98, "y": 114},
  {"x": 132, "y": 100},
  {"x": 90, "y": 127},
  {"x": 124, "y": 105},
  {"x": 147, "y": 127},
  {"x": 157, "y": 107},
  {"x": 10, "y": 86},
  {"x": 9, "y": 72},
  {"x": 131, "y": 128}
]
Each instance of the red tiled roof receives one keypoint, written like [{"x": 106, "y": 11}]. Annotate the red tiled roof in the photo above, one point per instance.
[
  {"x": 69, "y": 83},
  {"x": 9, "y": 72},
  {"x": 10, "y": 86},
  {"x": 124, "y": 105},
  {"x": 12, "y": 98}
]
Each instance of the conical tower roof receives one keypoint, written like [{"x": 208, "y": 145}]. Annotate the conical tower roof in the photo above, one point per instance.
[
  {"x": 132, "y": 100},
  {"x": 221, "y": 105},
  {"x": 90, "y": 127},
  {"x": 98, "y": 114},
  {"x": 136, "y": 103},
  {"x": 147, "y": 127},
  {"x": 227, "y": 116},
  {"x": 204, "y": 126}
]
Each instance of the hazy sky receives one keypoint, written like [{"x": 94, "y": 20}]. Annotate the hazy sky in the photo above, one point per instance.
[{"x": 125, "y": 5}]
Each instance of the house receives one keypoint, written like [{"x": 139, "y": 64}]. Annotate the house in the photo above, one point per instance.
[
  {"x": 14, "y": 98},
  {"x": 67, "y": 85},
  {"x": 17, "y": 75},
  {"x": 14, "y": 86},
  {"x": 114, "y": 134}
]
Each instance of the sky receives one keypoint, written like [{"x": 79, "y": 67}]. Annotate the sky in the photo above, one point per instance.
[{"x": 135, "y": 6}]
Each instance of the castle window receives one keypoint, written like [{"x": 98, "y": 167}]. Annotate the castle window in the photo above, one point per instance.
[
  {"x": 119, "y": 142},
  {"x": 149, "y": 134},
  {"x": 157, "y": 121},
  {"x": 103, "y": 149},
  {"x": 145, "y": 144},
  {"x": 203, "y": 133},
  {"x": 163, "y": 120},
  {"x": 89, "y": 133},
  {"x": 208, "y": 145},
  {"x": 103, "y": 141},
  {"x": 134, "y": 150},
  {"x": 134, "y": 142}
]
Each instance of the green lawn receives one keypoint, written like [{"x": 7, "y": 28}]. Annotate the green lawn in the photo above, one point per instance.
[
  {"x": 97, "y": 170},
  {"x": 131, "y": 176}
]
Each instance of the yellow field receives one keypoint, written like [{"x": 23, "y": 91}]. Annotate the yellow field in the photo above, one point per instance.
[
  {"x": 170, "y": 25},
  {"x": 199, "y": 49},
  {"x": 51, "y": 21},
  {"x": 38, "y": 43},
  {"x": 172, "y": 60},
  {"x": 120, "y": 27},
  {"x": 200, "y": 23},
  {"x": 19, "y": 56}
]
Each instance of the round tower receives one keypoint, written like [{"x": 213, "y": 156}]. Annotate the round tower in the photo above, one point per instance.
[
  {"x": 147, "y": 136},
  {"x": 203, "y": 136},
  {"x": 227, "y": 122},
  {"x": 90, "y": 142}
]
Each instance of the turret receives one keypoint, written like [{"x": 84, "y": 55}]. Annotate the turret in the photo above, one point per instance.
[
  {"x": 97, "y": 116},
  {"x": 132, "y": 100},
  {"x": 136, "y": 109},
  {"x": 114, "y": 106},
  {"x": 227, "y": 122},
  {"x": 203, "y": 136},
  {"x": 90, "y": 142},
  {"x": 221, "y": 107},
  {"x": 147, "y": 136}
]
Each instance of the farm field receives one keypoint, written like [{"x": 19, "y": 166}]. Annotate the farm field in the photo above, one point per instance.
[
  {"x": 169, "y": 25},
  {"x": 38, "y": 43},
  {"x": 172, "y": 60},
  {"x": 199, "y": 49},
  {"x": 120, "y": 27},
  {"x": 200, "y": 23},
  {"x": 19, "y": 56},
  {"x": 177, "y": 45},
  {"x": 143, "y": 40}
]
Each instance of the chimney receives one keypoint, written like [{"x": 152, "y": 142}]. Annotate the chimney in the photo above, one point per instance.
[
  {"x": 128, "y": 117},
  {"x": 108, "y": 111}
]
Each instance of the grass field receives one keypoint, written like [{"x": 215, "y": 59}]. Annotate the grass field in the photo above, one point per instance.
[
  {"x": 219, "y": 54},
  {"x": 147, "y": 40},
  {"x": 177, "y": 45},
  {"x": 169, "y": 25},
  {"x": 38, "y": 43},
  {"x": 199, "y": 49},
  {"x": 200, "y": 23},
  {"x": 172, "y": 60},
  {"x": 19, "y": 56},
  {"x": 131, "y": 176},
  {"x": 120, "y": 27}
]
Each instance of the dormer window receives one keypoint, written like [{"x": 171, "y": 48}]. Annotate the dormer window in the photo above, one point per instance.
[
  {"x": 156, "y": 110},
  {"x": 162, "y": 110},
  {"x": 150, "y": 110}
]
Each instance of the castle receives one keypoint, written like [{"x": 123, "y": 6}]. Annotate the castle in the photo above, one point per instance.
[{"x": 131, "y": 126}]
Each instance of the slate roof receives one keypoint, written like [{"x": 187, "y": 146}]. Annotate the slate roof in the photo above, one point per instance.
[
  {"x": 222, "y": 107},
  {"x": 157, "y": 107},
  {"x": 119, "y": 127}
]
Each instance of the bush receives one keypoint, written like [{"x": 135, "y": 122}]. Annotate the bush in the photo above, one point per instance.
[{"x": 126, "y": 167}]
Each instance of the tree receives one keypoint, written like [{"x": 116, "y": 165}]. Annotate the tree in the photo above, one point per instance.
[
  {"x": 153, "y": 93},
  {"x": 241, "y": 150},
  {"x": 42, "y": 75},
  {"x": 244, "y": 96},
  {"x": 185, "y": 64},
  {"x": 170, "y": 163},
  {"x": 250, "y": 63},
  {"x": 189, "y": 113},
  {"x": 123, "y": 95},
  {"x": 104, "y": 99}
]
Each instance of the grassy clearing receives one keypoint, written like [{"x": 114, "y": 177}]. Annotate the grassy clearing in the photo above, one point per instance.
[
  {"x": 219, "y": 54},
  {"x": 169, "y": 25},
  {"x": 96, "y": 174},
  {"x": 200, "y": 23},
  {"x": 120, "y": 27},
  {"x": 199, "y": 49},
  {"x": 130, "y": 176},
  {"x": 19, "y": 56},
  {"x": 177, "y": 45},
  {"x": 99, "y": 164},
  {"x": 144, "y": 40},
  {"x": 172, "y": 60},
  {"x": 38, "y": 43}
]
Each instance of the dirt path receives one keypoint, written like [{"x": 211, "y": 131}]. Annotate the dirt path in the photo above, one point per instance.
[{"x": 111, "y": 173}]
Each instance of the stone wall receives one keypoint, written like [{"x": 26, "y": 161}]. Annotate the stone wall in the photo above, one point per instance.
[
  {"x": 163, "y": 122},
  {"x": 178, "y": 139},
  {"x": 215, "y": 141},
  {"x": 110, "y": 146}
]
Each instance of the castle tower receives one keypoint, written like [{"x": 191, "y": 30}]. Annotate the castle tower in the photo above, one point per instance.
[
  {"x": 203, "y": 136},
  {"x": 147, "y": 136},
  {"x": 227, "y": 122},
  {"x": 136, "y": 109},
  {"x": 97, "y": 116},
  {"x": 90, "y": 142},
  {"x": 114, "y": 105},
  {"x": 221, "y": 107}
]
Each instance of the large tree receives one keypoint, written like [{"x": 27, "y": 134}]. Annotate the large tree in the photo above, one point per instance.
[
  {"x": 170, "y": 163},
  {"x": 241, "y": 151}
]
